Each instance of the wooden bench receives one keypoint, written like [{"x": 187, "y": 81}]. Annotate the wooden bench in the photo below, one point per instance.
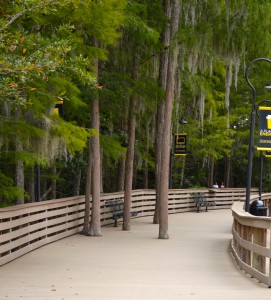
[
  {"x": 201, "y": 201},
  {"x": 116, "y": 209}
]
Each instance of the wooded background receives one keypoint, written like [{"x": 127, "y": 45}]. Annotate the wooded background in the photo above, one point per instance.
[{"x": 125, "y": 73}]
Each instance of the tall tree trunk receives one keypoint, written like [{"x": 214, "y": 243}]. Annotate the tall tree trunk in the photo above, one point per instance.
[
  {"x": 129, "y": 164},
  {"x": 165, "y": 146},
  {"x": 165, "y": 39},
  {"x": 95, "y": 223},
  {"x": 88, "y": 191}
]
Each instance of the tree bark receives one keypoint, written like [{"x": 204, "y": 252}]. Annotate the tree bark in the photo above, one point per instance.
[
  {"x": 121, "y": 173},
  {"x": 129, "y": 164},
  {"x": 228, "y": 172},
  {"x": 101, "y": 172},
  {"x": 19, "y": 176},
  {"x": 76, "y": 190},
  {"x": 146, "y": 164},
  {"x": 19, "y": 170},
  {"x": 166, "y": 140},
  {"x": 53, "y": 190},
  {"x": 165, "y": 146},
  {"x": 211, "y": 172},
  {"x": 31, "y": 185},
  {"x": 95, "y": 223},
  {"x": 88, "y": 191},
  {"x": 165, "y": 39}
]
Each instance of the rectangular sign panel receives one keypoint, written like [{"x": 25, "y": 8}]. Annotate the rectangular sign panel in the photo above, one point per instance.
[
  {"x": 180, "y": 144},
  {"x": 264, "y": 136}
]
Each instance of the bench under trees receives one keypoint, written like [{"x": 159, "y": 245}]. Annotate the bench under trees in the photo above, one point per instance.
[
  {"x": 201, "y": 201},
  {"x": 116, "y": 209}
]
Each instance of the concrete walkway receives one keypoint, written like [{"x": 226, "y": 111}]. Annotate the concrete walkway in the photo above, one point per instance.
[{"x": 194, "y": 263}]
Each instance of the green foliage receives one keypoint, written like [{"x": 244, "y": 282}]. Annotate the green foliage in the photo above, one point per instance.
[
  {"x": 75, "y": 137},
  {"x": 8, "y": 193},
  {"x": 112, "y": 147},
  {"x": 47, "y": 54}
]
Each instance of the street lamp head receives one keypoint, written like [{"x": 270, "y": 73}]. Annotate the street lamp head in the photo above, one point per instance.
[{"x": 184, "y": 121}]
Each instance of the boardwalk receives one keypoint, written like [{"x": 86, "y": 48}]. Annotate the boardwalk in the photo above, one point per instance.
[{"x": 194, "y": 263}]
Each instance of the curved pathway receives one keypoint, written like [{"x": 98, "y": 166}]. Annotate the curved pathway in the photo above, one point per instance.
[{"x": 194, "y": 263}]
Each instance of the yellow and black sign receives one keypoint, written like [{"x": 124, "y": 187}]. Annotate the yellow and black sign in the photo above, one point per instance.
[
  {"x": 58, "y": 110},
  {"x": 264, "y": 138},
  {"x": 267, "y": 154},
  {"x": 180, "y": 144}
]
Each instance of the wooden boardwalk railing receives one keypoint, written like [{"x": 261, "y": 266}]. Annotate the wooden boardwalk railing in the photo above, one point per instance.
[
  {"x": 26, "y": 227},
  {"x": 251, "y": 243}
]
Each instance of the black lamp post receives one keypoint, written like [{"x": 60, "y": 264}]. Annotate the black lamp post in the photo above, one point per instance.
[
  {"x": 252, "y": 127},
  {"x": 261, "y": 175}
]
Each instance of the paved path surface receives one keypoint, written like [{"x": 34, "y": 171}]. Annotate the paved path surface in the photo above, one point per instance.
[{"x": 194, "y": 263}]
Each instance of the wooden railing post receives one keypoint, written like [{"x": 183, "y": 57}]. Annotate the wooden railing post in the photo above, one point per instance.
[
  {"x": 251, "y": 245},
  {"x": 259, "y": 238}
]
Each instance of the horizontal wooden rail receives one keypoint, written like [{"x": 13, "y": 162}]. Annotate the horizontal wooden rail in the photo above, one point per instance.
[
  {"x": 251, "y": 241},
  {"x": 26, "y": 227}
]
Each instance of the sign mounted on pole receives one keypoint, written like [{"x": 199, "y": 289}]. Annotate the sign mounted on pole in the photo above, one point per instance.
[
  {"x": 180, "y": 144},
  {"x": 264, "y": 138}
]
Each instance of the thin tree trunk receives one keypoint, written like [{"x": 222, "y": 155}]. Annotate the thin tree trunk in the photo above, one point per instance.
[
  {"x": 182, "y": 173},
  {"x": 53, "y": 190},
  {"x": 165, "y": 146},
  {"x": 101, "y": 172},
  {"x": 95, "y": 223},
  {"x": 20, "y": 179},
  {"x": 165, "y": 39},
  {"x": 146, "y": 165},
  {"x": 77, "y": 184},
  {"x": 129, "y": 164},
  {"x": 31, "y": 185},
  {"x": 44, "y": 189},
  {"x": 19, "y": 170},
  {"x": 88, "y": 191},
  {"x": 121, "y": 173},
  {"x": 228, "y": 172},
  {"x": 146, "y": 172},
  {"x": 211, "y": 172}
]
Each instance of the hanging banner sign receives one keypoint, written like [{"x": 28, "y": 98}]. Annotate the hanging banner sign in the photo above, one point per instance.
[
  {"x": 264, "y": 138},
  {"x": 180, "y": 144}
]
